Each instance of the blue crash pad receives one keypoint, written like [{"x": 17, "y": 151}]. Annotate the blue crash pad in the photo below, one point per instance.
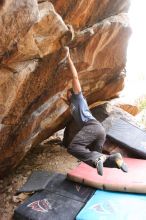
[{"x": 105, "y": 205}]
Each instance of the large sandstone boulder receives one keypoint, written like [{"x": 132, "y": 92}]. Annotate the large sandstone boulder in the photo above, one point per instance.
[{"x": 32, "y": 82}]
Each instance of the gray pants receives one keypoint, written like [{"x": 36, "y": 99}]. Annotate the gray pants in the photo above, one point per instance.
[{"x": 88, "y": 142}]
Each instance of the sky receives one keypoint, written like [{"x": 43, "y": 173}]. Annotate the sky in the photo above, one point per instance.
[{"x": 136, "y": 53}]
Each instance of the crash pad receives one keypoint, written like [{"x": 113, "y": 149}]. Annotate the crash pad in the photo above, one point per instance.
[
  {"x": 48, "y": 206},
  {"x": 60, "y": 185},
  {"x": 113, "y": 179},
  {"x": 37, "y": 181},
  {"x": 130, "y": 136},
  {"x": 61, "y": 199},
  {"x": 114, "y": 206}
]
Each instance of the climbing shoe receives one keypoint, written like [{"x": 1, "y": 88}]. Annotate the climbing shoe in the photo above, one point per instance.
[
  {"x": 99, "y": 164},
  {"x": 116, "y": 161}
]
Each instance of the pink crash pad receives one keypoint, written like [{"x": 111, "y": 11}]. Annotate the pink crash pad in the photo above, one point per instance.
[{"x": 113, "y": 179}]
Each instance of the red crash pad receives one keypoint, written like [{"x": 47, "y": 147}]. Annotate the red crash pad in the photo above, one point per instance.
[{"x": 113, "y": 179}]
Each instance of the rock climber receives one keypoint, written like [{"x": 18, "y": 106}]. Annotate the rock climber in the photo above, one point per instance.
[{"x": 90, "y": 131}]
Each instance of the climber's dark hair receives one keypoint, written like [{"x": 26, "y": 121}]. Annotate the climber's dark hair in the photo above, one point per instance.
[{"x": 71, "y": 90}]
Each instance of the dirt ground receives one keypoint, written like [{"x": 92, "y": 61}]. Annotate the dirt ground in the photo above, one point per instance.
[{"x": 49, "y": 156}]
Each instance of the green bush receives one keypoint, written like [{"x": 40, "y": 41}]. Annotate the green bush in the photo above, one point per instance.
[{"x": 142, "y": 103}]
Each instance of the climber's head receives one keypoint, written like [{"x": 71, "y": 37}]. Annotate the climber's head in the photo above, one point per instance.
[{"x": 69, "y": 94}]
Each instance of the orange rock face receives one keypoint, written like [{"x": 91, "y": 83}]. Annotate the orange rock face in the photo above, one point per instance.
[{"x": 32, "y": 82}]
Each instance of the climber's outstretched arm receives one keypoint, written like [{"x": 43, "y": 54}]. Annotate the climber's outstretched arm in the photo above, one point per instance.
[{"x": 75, "y": 80}]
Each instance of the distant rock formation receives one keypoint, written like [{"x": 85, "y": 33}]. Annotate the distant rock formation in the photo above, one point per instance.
[{"x": 32, "y": 82}]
